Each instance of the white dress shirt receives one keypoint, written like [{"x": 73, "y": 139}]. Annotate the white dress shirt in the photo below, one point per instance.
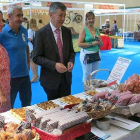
[{"x": 54, "y": 33}]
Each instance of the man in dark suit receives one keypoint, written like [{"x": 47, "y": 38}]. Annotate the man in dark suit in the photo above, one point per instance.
[{"x": 54, "y": 53}]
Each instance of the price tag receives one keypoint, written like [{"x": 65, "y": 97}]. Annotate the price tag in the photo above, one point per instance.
[{"x": 119, "y": 69}]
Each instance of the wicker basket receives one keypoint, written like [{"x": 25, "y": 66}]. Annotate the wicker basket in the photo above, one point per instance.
[
  {"x": 92, "y": 84},
  {"x": 69, "y": 134},
  {"x": 124, "y": 110},
  {"x": 100, "y": 114}
]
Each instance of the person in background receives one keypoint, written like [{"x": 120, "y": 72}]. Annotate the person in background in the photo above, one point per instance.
[
  {"x": 138, "y": 25},
  {"x": 114, "y": 27},
  {"x": 31, "y": 35},
  {"x": 14, "y": 38},
  {"x": 1, "y": 21},
  {"x": 107, "y": 27},
  {"x": 89, "y": 45},
  {"x": 7, "y": 21},
  {"x": 25, "y": 23},
  {"x": 5, "y": 104},
  {"x": 107, "y": 24},
  {"x": 54, "y": 52}
]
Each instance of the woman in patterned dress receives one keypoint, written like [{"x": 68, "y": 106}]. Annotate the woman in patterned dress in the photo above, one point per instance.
[{"x": 5, "y": 104}]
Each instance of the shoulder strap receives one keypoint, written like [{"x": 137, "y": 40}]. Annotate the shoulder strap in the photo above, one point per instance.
[
  {"x": 33, "y": 34},
  {"x": 33, "y": 38}
]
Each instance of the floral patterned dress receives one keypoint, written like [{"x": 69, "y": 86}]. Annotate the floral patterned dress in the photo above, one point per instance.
[{"x": 5, "y": 77}]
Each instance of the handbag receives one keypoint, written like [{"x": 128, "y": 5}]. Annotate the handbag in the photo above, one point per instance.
[
  {"x": 33, "y": 40},
  {"x": 93, "y": 57},
  {"x": 31, "y": 54}
]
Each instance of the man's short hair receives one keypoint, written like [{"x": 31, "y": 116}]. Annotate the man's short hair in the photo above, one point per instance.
[
  {"x": 11, "y": 8},
  {"x": 1, "y": 12},
  {"x": 114, "y": 21},
  {"x": 57, "y": 5},
  {"x": 25, "y": 18}
]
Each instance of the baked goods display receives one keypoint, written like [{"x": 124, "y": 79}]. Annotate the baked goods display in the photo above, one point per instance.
[
  {"x": 134, "y": 99},
  {"x": 47, "y": 105},
  {"x": 120, "y": 99},
  {"x": 54, "y": 119},
  {"x": 132, "y": 84},
  {"x": 71, "y": 100},
  {"x": 19, "y": 113},
  {"x": 106, "y": 94},
  {"x": 14, "y": 131},
  {"x": 124, "y": 98},
  {"x": 98, "y": 108},
  {"x": 66, "y": 118},
  {"x": 91, "y": 92}
]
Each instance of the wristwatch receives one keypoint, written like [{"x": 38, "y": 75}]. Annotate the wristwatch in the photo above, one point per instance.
[{"x": 90, "y": 45}]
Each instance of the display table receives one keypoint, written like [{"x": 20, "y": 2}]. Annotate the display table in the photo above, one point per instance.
[
  {"x": 117, "y": 133},
  {"x": 137, "y": 36},
  {"x": 126, "y": 34},
  {"x": 114, "y": 41},
  {"x": 114, "y": 133},
  {"x": 122, "y": 134},
  {"x": 106, "y": 43}
]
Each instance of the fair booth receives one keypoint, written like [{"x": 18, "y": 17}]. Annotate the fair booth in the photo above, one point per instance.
[
  {"x": 76, "y": 11},
  {"x": 75, "y": 21}
]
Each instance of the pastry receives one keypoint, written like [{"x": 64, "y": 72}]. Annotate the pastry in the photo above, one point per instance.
[
  {"x": 47, "y": 105},
  {"x": 65, "y": 119},
  {"x": 19, "y": 113},
  {"x": 11, "y": 126},
  {"x": 91, "y": 92},
  {"x": 71, "y": 99}
]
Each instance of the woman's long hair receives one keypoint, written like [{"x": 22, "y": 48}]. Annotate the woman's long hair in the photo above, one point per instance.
[{"x": 33, "y": 24}]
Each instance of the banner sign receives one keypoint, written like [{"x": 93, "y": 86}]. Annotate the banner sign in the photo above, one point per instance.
[
  {"x": 20, "y": 4},
  {"x": 38, "y": 12},
  {"x": 68, "y": 5},
  {"x": 108, "y": 7}
]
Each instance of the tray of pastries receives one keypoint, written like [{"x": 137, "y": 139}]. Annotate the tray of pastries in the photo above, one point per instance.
[
  {"x": 91, "y": 92},
  {"x": 71, "y": 100},
  {"x": 19, "y": 113},
  {"x": 47, "y": 105},
  {"x": 14, "y": 131},
  {"x": 98, "y": 108}
]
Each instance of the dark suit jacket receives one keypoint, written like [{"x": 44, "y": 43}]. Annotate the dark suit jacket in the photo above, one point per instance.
[
  {"x": 107, "y": 25},
  {"x": 46, "y": 55}
]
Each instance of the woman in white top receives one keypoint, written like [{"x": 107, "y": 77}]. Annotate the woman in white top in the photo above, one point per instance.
[{"x": 31, "y": 35}]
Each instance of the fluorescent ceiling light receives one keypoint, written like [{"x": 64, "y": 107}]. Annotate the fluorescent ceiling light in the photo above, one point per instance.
[
  {"x": 89, "y": 6},
  {"x": 107, "y": 11},
  {"x": 36, "y": 4}
]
